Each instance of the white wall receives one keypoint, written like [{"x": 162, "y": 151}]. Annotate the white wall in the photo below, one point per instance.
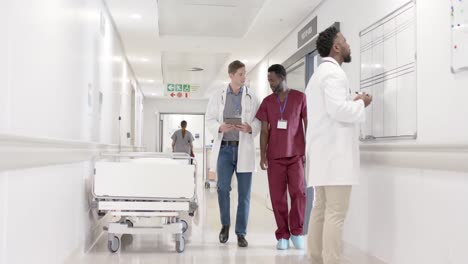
[
  {"x": 139, "y": 119},
  {"x": 260, "y": 86},
  {"x": 442, "y": 95},
  {"x": 410, "y": 215},
  {"x": 3, "y": 206},
  {"x": 195, "y": 124},
  {"x": 258, "y": 77},
  {"x": 405, "y": 215},
  {"x": 435, "y": 116},
  {"x": 49, "y": 81},
  {"x": 44, "y": 226},
  {"x": 54, "y": 61},
  {"x": 3, "y": 70},
  {"x": 154, "y": 106}
]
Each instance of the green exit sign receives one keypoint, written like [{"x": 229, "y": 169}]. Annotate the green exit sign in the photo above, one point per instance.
[{"x": 177, "y": 87}]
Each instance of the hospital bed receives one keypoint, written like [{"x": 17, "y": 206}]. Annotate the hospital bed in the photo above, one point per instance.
[{"x": 135, "y": 187}]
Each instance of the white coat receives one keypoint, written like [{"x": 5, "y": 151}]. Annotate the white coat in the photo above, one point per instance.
[
  {"x": 332, "y": 139},
  {"x": 246, "y": 161}
]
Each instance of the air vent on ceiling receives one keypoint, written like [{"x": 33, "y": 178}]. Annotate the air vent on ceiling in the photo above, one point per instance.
[{"x": 196, "y": 69}]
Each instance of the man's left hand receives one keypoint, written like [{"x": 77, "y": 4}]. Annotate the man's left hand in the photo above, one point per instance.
[{"x": 246, "y": 128}]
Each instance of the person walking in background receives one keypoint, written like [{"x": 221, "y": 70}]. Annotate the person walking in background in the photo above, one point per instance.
[{"x": 182, "y": 140}]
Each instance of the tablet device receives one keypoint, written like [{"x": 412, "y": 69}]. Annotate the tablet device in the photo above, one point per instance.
[{"x": 233, "y": 121}]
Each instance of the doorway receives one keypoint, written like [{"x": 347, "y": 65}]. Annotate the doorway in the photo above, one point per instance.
[
  {"x": 170, "y": 123},
  {"x": 133, "y": 118},
  {"x": 299, "y": 74},
  {"x": 312, "y": 61}
]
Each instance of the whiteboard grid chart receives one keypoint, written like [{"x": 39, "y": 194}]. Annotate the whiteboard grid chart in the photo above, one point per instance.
[
  {"x": 388, "y": 73},
  {"x": 459, "y": 47}
]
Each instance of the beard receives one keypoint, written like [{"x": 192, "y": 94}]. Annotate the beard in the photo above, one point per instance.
[
  {"x": 277, "y": 89},
  {"x": 347, "y": 58}
]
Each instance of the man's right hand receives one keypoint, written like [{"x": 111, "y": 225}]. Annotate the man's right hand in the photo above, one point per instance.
[
  {"x": 226, "y": 128},
  {"x": 264, "y": 163},
  {"x": 366, "y": 98}
]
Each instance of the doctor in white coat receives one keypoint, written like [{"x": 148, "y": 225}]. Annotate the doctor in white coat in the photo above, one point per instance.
[
  {"x": 332, "y": 146},
  {"x": 234, "y": 148}
]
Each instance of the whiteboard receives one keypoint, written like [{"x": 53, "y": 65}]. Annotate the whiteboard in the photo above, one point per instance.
[
  {"x": 388, "y": 73},
  {"x": 459, "y": 46}
]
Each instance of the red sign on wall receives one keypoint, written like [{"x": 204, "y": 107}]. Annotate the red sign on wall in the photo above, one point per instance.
[{"x": 179, "y": 95}]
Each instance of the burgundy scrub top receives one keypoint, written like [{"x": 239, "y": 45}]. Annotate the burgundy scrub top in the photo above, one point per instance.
[{"x": 290, "y": 142}]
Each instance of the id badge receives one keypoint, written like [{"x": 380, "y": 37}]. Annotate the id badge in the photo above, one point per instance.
[{"x": 282, "y": 124}]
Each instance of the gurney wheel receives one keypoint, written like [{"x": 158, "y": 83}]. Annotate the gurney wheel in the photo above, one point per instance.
[
  {"x": 129, "y": 223},
  {"x": 207, "y": 185},
  {"x": 113, "y": 243},
  {"x": 180, "y": 245},
  {"x": 184, "y": 226}
]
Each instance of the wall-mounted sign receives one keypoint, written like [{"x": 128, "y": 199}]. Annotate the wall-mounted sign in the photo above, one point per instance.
[
  {"x": 307, "y": 32},
  {"x": 177, "y": 90}
]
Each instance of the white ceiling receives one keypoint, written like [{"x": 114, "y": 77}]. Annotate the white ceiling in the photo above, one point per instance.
[
  {"x": 166, "y": 38},
  {"x": 208, "y": 18},
  {"x": 178, "y": 66}
]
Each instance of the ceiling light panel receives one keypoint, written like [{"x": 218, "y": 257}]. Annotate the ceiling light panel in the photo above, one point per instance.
[{"x": 209, "y": 18}]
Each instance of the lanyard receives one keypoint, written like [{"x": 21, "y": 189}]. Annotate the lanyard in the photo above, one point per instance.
[{"x": 284, "y": 106}]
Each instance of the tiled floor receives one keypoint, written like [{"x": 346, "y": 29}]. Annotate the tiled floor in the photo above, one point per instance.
[{"x": 203, "y": 246}]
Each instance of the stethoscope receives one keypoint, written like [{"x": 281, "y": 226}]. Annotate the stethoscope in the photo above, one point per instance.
[{"x": 246, "y": 94}]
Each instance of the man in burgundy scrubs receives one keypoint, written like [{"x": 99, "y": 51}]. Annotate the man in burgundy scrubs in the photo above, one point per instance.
[{"x": 282, "y": 141}]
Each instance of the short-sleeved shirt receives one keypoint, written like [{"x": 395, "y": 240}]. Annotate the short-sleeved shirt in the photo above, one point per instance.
[
  {"x": 182, "y": 144},
  {"x": 232, "y": 108},
  {"x": 290, "y": 142}
]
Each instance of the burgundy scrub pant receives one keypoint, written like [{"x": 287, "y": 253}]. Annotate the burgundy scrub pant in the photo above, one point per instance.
[{"x": 287, "y": 174}]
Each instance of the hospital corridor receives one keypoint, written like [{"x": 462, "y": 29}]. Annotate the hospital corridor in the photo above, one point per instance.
[
  {"x": 234, "y": 131},
  {"x": 203, "y": 245}
]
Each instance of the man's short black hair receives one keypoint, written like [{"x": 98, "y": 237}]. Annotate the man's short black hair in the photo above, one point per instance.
[
  {"x": 325, "y": 41},
  {"x": 278, "y": 69},
  {"x": 183, "y": 123}
]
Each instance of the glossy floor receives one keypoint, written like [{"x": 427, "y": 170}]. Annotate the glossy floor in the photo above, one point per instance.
[{"x": 203, "y": 245}]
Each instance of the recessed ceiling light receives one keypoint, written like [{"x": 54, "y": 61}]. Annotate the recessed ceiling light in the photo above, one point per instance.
[
  {"x": 245, "y": 61},
  {"x": 153, "y": 94},
  {"x": 144, "y": 59},
  {"x": 136, "y": 16}
]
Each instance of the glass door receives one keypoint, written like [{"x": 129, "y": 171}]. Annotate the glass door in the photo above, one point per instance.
[{"x": 296, "y": 73}]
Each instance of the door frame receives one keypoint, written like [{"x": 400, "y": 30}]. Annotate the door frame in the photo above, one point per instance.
[{"x": 160, "y": 116}]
